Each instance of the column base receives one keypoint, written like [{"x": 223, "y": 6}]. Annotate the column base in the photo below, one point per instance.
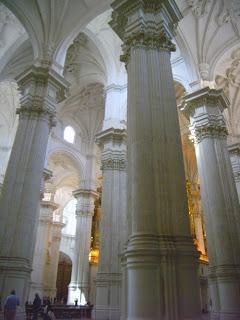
[
  {"x": 105, "y": 313},
  {"x": 224, "y": 316},
  {"x": 14, "y": 274}
]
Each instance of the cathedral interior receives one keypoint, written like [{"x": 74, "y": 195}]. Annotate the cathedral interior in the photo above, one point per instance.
[{"x": 120, "y": 156}]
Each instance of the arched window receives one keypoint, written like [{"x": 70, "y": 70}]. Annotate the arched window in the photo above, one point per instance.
[{"x": 69, "y": 134}]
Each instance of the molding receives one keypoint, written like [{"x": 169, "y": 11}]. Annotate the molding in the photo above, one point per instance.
[
  {"x": 41, "y": 89},
  {"x": 204, "y": 108},
  {"x": 145, "y": 23},
  {"x": 114, "y": 153},
  {"x": 111, "y": 134},
  {"x": 205, "y": 96}
]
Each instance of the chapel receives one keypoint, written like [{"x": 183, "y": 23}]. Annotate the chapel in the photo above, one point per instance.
[{"x": 120, "y": 156}]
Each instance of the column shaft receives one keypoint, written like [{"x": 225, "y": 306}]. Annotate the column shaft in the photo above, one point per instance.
[
  {"x": 51, "y": 270},
  {"x": 161, "y": 258},
  {"x": 79, "y": 286},
  {"x": 113, "y": 226},
  {"x": 41, "y": 248},
  {"x": 219, "y": 198},
  {"x": 21, "y": 190}
]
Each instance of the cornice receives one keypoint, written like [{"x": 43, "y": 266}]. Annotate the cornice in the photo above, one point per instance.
[
  {"x": 111, "y": 134},
  {"x": 85, "y": 193}
]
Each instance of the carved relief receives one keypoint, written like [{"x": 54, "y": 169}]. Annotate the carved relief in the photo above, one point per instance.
[
  {"x": 229, "y": 11},
  {"x": 213, "y": 127},
  {"x": 232, "y": 75},
  {"x": 198, "y": 7},
  {"x": 229, "y": 81},
  {"x": 72, "y": 64}
]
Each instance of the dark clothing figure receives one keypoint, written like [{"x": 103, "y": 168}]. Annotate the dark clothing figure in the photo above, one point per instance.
[
  {"x": 76, "y": 302},
  {"x": 36, "y": 306}
]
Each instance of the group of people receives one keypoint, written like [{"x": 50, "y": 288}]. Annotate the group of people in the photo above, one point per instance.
[
  {"x": 47, "y": 309},
  {"x": 12, "y": 301}
]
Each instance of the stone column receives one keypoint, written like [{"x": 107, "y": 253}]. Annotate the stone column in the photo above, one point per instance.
[
  {"x": 79, "y": 285},
  {"x": 113, "y": 225},
  {"x": 219, "y": 199},
  {"x": 52, "y": 260},
  {"x": 41, "y": 248},
  {"x": 234, "y": 151},
  {"x": 21, "y": 190},
  {"x": 161, "y": 260}
]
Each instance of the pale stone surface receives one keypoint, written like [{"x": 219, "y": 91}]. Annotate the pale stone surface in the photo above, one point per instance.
[
  {"x": 41, "y": 251},
  {"x": 23, "y": 178},
  {"x": 234, "y": 152},
  {"x": 79, "y": 285},
  {"x": 161, "y": 259},
  {"x": 113, "y": 226},
  {"x": 52, "y": 261},
  {"x": 219, "y": 197}
]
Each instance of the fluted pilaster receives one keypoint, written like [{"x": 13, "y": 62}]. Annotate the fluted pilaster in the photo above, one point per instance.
[
  {"x": 113, "y": 226},
  {"x": 219, "y": 199},
  {"x": 79, "y": 285}
]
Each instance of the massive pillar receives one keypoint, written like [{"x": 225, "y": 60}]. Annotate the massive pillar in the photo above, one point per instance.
[
  {"x": 79, "y": 285},
  {"x": 113, "y": 226},
  {"x": 219, "y": 199},
  {"x": 234, "y": 151},
  {"x": 21, "y": 190},
  {"x": 161, "y": 260}
]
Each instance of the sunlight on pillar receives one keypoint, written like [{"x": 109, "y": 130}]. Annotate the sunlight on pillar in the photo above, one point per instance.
[{"x": 83, "y": 301}]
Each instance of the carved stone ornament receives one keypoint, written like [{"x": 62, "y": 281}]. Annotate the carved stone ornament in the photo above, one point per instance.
[
  {"x": 85, "y": 201},
  {"x": 114, "y": 161},
  {"x": 72, "y": 64},
  {"x": 229, "y": 11},
  {"x": 113, "y": 144},
  {"x": 146, "y": 23},
  {"x": 204, "y": 108},
  {"x": 212, "y": 127},
  {"x": 148, "y": 40},
  {"x": 198, "y": 7},
  {"x": 41, "y": 89}
]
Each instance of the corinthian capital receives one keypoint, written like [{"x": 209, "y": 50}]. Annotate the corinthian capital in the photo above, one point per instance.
[
  {"x": 85, "y": 201},
  {"x": 145, "y": 23},
  {"x": 113, "y": 144},
  {"x": 204, "y": 110},
  {"x": 41, "y": 88}
]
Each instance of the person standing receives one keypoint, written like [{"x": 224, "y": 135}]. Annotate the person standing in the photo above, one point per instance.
[
  {"x": 10, "y": 306},
  {"x": 36, "y": 306}
]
